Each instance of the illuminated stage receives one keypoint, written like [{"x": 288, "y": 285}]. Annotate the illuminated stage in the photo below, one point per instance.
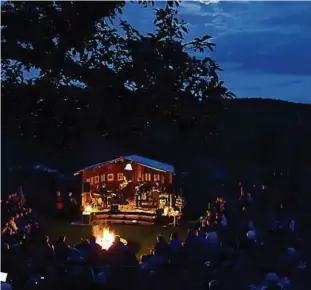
[
  {"x": 123, "y": 214},
  {"x": 128, "y": 190}
]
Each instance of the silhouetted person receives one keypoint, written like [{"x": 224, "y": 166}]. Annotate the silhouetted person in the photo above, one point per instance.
[{"x": 61, "y": 249}]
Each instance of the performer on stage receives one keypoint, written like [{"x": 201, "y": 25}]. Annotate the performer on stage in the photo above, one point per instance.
[
  {"x": 124, "y": 190},
  {"x": 180, "y": 202},
  {"x": 155, "y": 194},
  {"x": 138, "y": 192},
  {"x": 104, "y": 192}
]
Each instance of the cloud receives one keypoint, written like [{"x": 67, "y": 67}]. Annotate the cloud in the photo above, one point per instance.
[
  {"x": 193, "y": 8},
  {"x": 260, "y": 36}
]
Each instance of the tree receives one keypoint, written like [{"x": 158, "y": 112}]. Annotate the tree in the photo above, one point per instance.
[{"x": 93, "y": 77}]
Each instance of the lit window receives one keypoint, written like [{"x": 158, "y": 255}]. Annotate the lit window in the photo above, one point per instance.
[
  {"x": 110, "y": 177},
  {"x": 96, "y": 179},
  {"x": 102, "y": 178},
  {"x": 156, "y": 177},
  {"x": 120, "y": 176}
]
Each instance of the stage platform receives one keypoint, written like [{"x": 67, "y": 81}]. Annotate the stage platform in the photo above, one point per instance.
[{"x": 125, "y": 214}]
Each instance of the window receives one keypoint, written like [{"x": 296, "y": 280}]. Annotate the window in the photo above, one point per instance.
[
  {"x": 92, "y": 180},
  {"x": 102, "y": 178},
  {"x": 147, "y": 177},
  {"x": 156, "y": 177},
  {"x": 96, "y": 179},
  {"x": 162, "y": 179},
  {"x": 110, "y": 177},
  {"x": 88, "y": 180},
  {"x": 120, "y": 176}
]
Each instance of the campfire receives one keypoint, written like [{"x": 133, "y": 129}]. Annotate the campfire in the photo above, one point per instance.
[{"x": 105, "y": 237}]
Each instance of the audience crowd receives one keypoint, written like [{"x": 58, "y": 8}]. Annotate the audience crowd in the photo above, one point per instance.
[{"x": 229, "y": 248}]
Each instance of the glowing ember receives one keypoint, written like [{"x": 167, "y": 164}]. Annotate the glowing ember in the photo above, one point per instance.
[{"x": 105, "y": 237}]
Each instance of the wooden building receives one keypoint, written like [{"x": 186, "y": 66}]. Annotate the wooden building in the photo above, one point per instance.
[{"x": 132, "y": 167}]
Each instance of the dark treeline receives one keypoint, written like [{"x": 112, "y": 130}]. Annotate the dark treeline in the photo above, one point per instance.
[{"x": 257, "y": 138}]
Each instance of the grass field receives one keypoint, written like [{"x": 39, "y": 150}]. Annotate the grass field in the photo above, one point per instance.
[{"x": 140, "y": 238}]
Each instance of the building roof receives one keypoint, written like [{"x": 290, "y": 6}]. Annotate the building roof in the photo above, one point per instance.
[
  {"x": 138, "y": 159},
  {"x": 151, "y": 163}
]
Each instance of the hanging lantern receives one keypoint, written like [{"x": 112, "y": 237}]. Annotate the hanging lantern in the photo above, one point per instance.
[{"x": 128, "y": 167}]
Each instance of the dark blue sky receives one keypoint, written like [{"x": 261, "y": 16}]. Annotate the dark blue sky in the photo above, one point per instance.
[{"x": 263, "y": 47}]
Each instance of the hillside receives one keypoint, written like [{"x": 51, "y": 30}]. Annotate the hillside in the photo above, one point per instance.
[
  {"x": 259, "y": 129},
  {"x": 245, "y": 124}
]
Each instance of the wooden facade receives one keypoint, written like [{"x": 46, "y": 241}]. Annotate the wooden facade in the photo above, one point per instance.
[{"x": 112, "y": 173}]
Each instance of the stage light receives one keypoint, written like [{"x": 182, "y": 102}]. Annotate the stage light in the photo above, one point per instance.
[
  {"x": 128, "y": 167},
  {"x": 88, "y": 209}
]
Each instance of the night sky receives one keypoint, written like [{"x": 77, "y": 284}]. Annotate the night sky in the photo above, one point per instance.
[{"x": 263, "y": 47}]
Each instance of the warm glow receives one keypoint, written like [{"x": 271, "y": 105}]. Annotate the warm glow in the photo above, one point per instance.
[
  {"x": 105, "y": 237},
  {"x": 165, "y": 211},
  {"x": 88, "y": 209}
]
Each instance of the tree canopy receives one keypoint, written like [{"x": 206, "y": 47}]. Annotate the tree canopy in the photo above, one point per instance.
[{"x": 96, "y": 72}]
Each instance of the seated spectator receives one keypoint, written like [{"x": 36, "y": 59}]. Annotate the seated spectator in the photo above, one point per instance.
[
  {"x": 161, "y": 247},
  {"x": 100, "y": 280},
  {"x": 213, "y": 285},
  {"x": 154, "y": 262},
  {"x": 83, "y": 248},
  {"x": 47, "y": 249},
  {"x": 120, "y": 254},
  {"x": 146, "y": 257},
  {"x": 104, "y": 257},
  {"x": 13, "y": 225},
  {"x": 175, "y": 244},
  {"x": 193, "y": 247},
  {"x": 80, "y": 277},
  {"x": 93, "y": 245},
  {"x": 74, "y": 256},
  {"x": 6, "y": 231},
  {"x": 19, "y": 220},
  {"x": 61, "y": 249},
  {"x": 176, "y": 248},
  {"x": 94, "y": 250}
]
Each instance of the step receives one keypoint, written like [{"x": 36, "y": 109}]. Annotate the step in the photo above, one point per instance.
[
  {"x": 125, "y": 217},
  {"x": 122, "y": 222}
]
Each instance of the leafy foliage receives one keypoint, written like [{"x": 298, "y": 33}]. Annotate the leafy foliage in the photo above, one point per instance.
[{"x": 95, "y": 77}]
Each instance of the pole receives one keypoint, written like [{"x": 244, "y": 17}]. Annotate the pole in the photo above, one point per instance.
[{"x": 82, "y": 189}]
